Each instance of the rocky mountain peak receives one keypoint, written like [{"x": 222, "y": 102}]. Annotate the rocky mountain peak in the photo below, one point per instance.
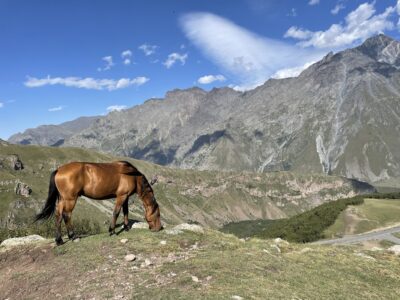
[{"x": 381, "y": 48}]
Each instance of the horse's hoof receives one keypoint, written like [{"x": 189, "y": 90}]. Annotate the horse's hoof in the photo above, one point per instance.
[
  {"x": 59, "y": 241},
  {"x": 126, "y": 227},
  {"x": 112, "y": 233},
  {"x": 72, "y": 236}
]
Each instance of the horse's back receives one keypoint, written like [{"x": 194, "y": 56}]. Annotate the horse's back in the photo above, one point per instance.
[{"x": 97, "y": 180}]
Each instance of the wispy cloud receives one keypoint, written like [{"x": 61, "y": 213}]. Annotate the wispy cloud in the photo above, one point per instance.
[
  {"x": 292, "y": 13},
  {"x": 207, "y": 79},
  {"x": 148, "y": 49},
  {"x": 86, "y": 83},
  {"x": 313, "y": 2},
  {"x": 250, "y": 59},
  {"x": 1, "y": 104},
  {"x": 126, "y": 56},
  {"x": 338, "y": 7},
  {"x": 116, "y": 108},
  {"x": 57, "y": 108},
  {"x": 173, "y": 58},
  {"x": 359, "y": 24},
  {"x": 108, "y": 61}
]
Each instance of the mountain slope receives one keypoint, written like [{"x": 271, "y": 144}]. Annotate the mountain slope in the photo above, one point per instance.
[
  {"x": 340, "y": 116},
  {"x": 210, "y": 198}
]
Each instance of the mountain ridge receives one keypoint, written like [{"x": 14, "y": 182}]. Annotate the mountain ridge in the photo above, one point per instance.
[{"x": 339, "y": 116}]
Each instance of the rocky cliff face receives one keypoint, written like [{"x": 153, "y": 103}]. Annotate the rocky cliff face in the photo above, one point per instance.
[{"x": 340, "y": 116}]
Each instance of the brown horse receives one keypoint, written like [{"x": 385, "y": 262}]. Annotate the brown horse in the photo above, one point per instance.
[{"x": 98, "y": 181}]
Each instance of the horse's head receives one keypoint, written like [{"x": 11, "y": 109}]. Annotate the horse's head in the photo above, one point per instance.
[{"x": 152, "y": 210}]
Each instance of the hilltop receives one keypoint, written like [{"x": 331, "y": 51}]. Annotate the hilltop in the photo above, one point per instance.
[{"x": 193, "y": 265}]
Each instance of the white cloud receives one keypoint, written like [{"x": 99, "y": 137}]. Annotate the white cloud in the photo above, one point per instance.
[
  {"x": 210, "y": 78},
  {"x": 173, "y": 58},
  {"x": 86, "y": 83},
  {"x": 249, "y": 58},
  {"x": 57, "y": 108},
  {"x": 291, "y": 72},
  {"x": 292, "y": 13},
  {"x": 108, "y": 60},
  {"x": 1, "y": 104},
  {"x": 116, "y": 108},
  {"x": 338, "y": 7},
  {"x": 148, "y": 49},
  {"x": 126, "y": 56},
  {"x": 359, "y": 24},
  {"x": 313, "y": 2}
]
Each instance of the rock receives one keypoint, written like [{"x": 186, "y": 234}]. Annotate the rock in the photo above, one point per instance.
[
  {"x": 124, "y": 241},
  {"x": 22, "y": 240},
  {"x": 130, "y": 257},
  {"x": 376, "y": 249},
  {"x": 279, "y": 241},
  {"x": 363, "y": 255},
  {"x": 22, "y": 189},
  {"x": 77, "y": 240},
  {"x": 140, "y": 225},
  {"x": 305, "y": 250},
  {"x": 147, "y": 262},
  {"x": 190, "y": 227},
  {"x": 173, "y": 231},
  {"x": 163, "y": 242},
  {"x": 195, "y": 279},
  {"x": 208, "y": 278},
  {"x": 277, "y": 248},
  {"x": 15, "y": 162},
  {"x": 395, "y": 249},
  {"x": 236, "y": 297}
]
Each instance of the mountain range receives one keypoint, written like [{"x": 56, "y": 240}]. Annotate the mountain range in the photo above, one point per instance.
[{"x": 340, "y": 116}]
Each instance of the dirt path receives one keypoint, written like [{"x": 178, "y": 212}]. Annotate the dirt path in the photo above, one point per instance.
[{"x": 383, "y": 234}]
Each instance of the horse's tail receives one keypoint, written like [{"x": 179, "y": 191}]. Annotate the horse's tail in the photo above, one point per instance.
[{"x": 51, "y": 201}]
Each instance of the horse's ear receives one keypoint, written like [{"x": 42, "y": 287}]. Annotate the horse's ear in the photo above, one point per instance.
[{"x": 154, "y": 180}]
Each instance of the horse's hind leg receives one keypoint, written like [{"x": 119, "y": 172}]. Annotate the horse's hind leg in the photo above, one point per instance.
[
  {"x": 125, "y": 210},
  {"x": 117, "y": 209},
  {"x": 59, "y": 213},
  {"x": 67, "y": 214}
]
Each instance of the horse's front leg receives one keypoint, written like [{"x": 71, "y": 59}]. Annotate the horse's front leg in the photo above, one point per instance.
[
  {"x": 125, "y": 210},
  {"x": 59, "y": 213},
  {"x": 117, "y": 209}
]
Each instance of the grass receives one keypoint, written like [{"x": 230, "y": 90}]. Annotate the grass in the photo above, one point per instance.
[
  {"x": 224, "y": 266},
  {"x": 372, "y": 214}
]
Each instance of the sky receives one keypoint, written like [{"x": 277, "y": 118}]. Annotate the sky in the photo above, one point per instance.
[{"x": 60, "y": 60}]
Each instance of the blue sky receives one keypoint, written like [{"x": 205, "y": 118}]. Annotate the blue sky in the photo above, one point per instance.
[{"x": 63, "y": 59}]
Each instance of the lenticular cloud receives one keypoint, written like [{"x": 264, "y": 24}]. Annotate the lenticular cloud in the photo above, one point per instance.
[{"x": 250, "y": 58}]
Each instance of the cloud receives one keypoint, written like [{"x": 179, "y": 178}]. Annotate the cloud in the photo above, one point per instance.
[
  {"x": 108, "y": 60},
  {"x": 338, "y": 7},
  {"x": 250, "y": 59},
  {"x": 359, "y": 24},
  {"x": 291, "y": 72},
  {"x": 126, "y": 56},
  {"x": 116, "y": 108},
  {"x": 1, "y": 104},
  {"x": 148, "y": 49},
  {"x": 86, "y": 83},
  {"x": 313, "y": 2},
  {"x": 57, "y": 108},
  {"x": 210, "y": 78},
  {"x": 292, "y": 13},
  {"x": 173, "y": 58}
]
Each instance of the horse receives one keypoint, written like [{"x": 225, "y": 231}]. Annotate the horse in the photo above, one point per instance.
[{"x": 98, "y": 181}]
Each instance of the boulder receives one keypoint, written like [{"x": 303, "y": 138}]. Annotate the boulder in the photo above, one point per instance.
[
  {"x": 15, "y": 162},
  {"x": 22, "y": 240},
  {"x": 22, "y": 189},
  {"x": 395, "y": 249}
]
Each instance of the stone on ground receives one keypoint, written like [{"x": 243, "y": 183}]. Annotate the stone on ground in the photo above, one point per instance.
[
  {"x": 22, "y": 240},
  {"x": 130, "y": 257},
  {"x": 395, "y": 249}
]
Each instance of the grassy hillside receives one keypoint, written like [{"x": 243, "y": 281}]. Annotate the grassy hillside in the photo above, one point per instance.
[
  {"x": 372, "y": 214},
  {"x": 210, "y": 198},
  {"x": 195, "y": 266},
  {"x": 325, "y": 220}
]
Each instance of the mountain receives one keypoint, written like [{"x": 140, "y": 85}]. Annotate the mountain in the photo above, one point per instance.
[
  {"x": 340, "y": 116},
  {"x": 52, "y": 135}
]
